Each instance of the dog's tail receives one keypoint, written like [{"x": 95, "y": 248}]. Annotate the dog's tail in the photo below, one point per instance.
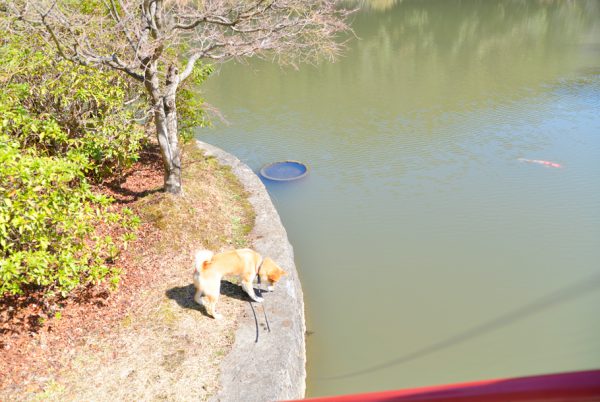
[{"x": 202, "y": 258}]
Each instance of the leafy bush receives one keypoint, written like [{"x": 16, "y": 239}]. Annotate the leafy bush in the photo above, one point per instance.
[
  {"x": 59, "y": 108},
  {"x": 60, "y": 126},
  {"x": 48, "y": 214},
  {"x": 190, "y": 107}
]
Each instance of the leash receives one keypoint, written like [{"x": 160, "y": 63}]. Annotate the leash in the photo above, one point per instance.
[
  {"x": 263, "y": 308},
  {"x": 263, "y": 304},
  {"x": 255, "y": 321}
]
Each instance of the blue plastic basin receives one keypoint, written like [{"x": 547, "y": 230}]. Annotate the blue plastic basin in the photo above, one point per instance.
[{"x": 284, "y": 171}]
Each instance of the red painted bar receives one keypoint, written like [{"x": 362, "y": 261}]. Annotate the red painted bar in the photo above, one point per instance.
[{"x": 582, "y": 386}]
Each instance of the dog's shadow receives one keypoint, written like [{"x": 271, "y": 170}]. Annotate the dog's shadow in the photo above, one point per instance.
[{"x": 184, "y": 295}]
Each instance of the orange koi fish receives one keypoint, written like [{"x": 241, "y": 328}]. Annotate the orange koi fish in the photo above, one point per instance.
[{"x": 542, "y": 162}]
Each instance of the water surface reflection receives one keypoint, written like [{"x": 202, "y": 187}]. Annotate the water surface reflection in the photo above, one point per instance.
[{"x": 418, "y": 229}]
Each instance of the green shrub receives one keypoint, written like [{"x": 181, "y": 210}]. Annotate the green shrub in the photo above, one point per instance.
[
  {"x": 48, "y": 214},
  {"x": 60, "y": 127},
  {"x": 190, "y": 106},
  {"x": 59, "y": 108}
]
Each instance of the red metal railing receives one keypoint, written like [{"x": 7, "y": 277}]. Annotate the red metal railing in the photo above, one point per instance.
[{"x": 582, "y": 386}]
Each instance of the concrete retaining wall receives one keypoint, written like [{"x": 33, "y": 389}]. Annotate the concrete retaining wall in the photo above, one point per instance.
[{"x": 274, "y": 367}]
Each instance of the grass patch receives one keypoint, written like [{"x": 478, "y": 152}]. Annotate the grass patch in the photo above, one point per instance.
[
  {"x": 51, "y": 392},
  {"x": 166, "y": 314},
  {"x": 213, "y": 212},
  {"x": 127, "y": 321}
]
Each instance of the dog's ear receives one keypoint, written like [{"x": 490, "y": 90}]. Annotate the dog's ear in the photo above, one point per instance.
[
  {"x": 275, "y": 267},
  {"x": 274, "y": 271},
  {"x": 280, "y": 272}
]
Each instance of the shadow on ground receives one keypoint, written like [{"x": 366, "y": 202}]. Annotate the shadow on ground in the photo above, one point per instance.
[{"x": 184, "y": 295}]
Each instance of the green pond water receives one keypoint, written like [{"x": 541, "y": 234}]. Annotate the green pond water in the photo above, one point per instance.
[{"x": 429, "y": 251}]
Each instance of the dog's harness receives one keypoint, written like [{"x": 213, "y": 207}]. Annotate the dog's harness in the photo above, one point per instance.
[{"x": 258, "y": 275}]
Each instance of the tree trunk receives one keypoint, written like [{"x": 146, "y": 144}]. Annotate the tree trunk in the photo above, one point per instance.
[
  {"x": 165, "y": 120},
  {"x": 166, "y": 131}
]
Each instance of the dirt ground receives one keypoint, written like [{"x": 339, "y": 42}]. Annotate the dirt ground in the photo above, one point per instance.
[{"x": 147, "y": 340}]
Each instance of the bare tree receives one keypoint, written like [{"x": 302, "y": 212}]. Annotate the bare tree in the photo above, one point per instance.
[{"x": 158, "y": 42}]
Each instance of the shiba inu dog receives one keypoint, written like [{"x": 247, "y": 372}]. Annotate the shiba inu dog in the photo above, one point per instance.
[{"x": 247, "y": 264}]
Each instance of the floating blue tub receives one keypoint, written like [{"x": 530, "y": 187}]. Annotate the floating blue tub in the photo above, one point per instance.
[{"x": 284, "y": 171}]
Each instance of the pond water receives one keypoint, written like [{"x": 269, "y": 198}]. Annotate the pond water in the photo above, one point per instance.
[{"x": 432, "y": 248}]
